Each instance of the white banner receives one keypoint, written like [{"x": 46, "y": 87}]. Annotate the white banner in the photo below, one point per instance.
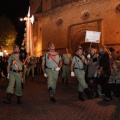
[{"x": 92, "y": 36}]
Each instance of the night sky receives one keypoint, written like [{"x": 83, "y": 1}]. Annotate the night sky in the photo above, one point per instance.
[{"x": 14, "y": 10}]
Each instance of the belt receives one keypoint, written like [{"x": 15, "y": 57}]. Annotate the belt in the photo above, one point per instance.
[
  {"x": 31, "y": 64},
  {"x": 17, "y": 71},
  {"x": 51, "y": 68},
  {"x": 66, "y": 64},
  {"x": 79, "y": 68}
]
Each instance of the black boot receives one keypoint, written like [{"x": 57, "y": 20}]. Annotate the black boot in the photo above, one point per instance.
[
  {"x": 32, "y": 78},
  {"x": 51, "y": 91},
  {"x": 88, "y": 93},
  {"x": 66, "y": 81},
  {"x": 22, "y": 85},
  {"x": 19, "y": 100},
  {"x": 62, "y": 80},
  {"x": 81, "y": 97},
  {"x": 8, "y": 98},
  {"x": 53, "y": 100},
  {"x": 96, "y": 94}
]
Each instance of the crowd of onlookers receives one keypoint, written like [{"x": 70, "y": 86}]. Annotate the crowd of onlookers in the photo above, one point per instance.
[{"x": 103, "y": 73}]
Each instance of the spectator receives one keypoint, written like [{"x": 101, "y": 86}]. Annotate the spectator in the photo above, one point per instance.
[
  {"x": 118, "y": 56},
  {"x": 92, "y": 66},
  {"x": 114, "y": 81},
  {"x": 113, "y": 53},
  {"x": 104, "y": 65},
  {"x": 66, "y": 60}
]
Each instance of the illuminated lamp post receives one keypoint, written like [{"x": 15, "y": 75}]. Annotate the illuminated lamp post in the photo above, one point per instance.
[{"x": 29, "y": 42}]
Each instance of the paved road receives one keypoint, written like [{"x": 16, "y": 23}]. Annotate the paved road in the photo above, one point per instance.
[{"x": 36, "y": 104}]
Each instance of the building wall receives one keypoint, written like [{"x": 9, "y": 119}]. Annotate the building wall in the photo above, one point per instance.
[
  {"x": 34, "y": 4},
  {"x": 66, "y": 25}
]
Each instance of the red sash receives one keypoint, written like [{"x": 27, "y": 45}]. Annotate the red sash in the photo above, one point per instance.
[{"x": 50, "y": 55}]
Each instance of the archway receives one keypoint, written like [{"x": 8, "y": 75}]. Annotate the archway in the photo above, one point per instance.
[
  {"x": 79, "y": 39},
  {"x": 77, "y": 32}
]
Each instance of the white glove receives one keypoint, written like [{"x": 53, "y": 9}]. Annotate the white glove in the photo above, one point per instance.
[
  {"x": 88, "y": 56},
  {"x": 45, "y": 75},
  {"x": 7, "y": 76},
  {"x": 72, "y": 74},
  {"x": 57, "y": 69}
]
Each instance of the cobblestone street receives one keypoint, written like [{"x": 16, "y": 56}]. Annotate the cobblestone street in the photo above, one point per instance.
[{"x": 36, "y": 105}]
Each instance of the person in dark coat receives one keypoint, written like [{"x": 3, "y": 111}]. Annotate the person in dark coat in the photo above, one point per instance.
[
  {"x": 113, "y": 84},
  {"x": 104, "y": 65}
]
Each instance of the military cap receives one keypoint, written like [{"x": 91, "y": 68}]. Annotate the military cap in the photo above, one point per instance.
[{"x": 79, "y": 48}]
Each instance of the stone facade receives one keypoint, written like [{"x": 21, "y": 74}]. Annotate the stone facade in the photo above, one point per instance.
[{"x": 65, "y": 22}]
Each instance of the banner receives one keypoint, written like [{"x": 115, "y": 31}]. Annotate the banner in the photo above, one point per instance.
[
  {"x": 92, "y": 36},
  {"x": 29, "y": 40}
]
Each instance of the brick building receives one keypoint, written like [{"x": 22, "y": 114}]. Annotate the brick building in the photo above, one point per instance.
[{"x": 65, "y": 22}]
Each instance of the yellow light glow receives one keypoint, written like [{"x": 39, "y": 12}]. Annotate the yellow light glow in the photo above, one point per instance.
[{"x": 5, "y": 51}]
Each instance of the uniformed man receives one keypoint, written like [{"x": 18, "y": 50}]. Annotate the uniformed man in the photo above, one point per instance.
[
  {"x": 23, "y": 55},
  {"x": 23, "y": 60},
  {"x": 31, "y": 66},
  {"x": 51, "y": 64},
  {"x": 66, "y": 60},
  {"x": 77, "y": 68},
  {"x": 14, "y": 70}
]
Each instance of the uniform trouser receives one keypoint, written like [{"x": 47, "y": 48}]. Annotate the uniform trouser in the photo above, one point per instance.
[
  {"x": 65, "y": 71},
  {"x": 31, "y": 67},
  {"x": 15, "y": 79},
  {"x": 24, "y": 73},
  {"x": 52, "y": 77},
  {"x": 80, "y": 74}
]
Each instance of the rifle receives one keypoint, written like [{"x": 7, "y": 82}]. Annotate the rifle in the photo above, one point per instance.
[{"x": 83, "y": 61}]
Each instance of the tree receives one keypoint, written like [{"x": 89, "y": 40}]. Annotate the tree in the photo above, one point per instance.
[{"x": 8, "y": 32}]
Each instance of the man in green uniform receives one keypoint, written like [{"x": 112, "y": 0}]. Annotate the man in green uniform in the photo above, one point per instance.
[
  {"x": 14, "y": 70},
  {"x": 66, "y": 60},
  {"x": 51, "y": 64},
  {"x": 31, "y": 66},
  {"x": 77, "y": 67}
]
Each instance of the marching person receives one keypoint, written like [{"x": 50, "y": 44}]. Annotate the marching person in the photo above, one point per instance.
[
  {"x": 31, "y": 66},
  {"x": 66, "y": 60},
  {"x": 51, "y": 64},
  {"x": 22, "y": 59},
  {"x": 14, "y": 70},
  {"x": 77, "y": 69}
]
